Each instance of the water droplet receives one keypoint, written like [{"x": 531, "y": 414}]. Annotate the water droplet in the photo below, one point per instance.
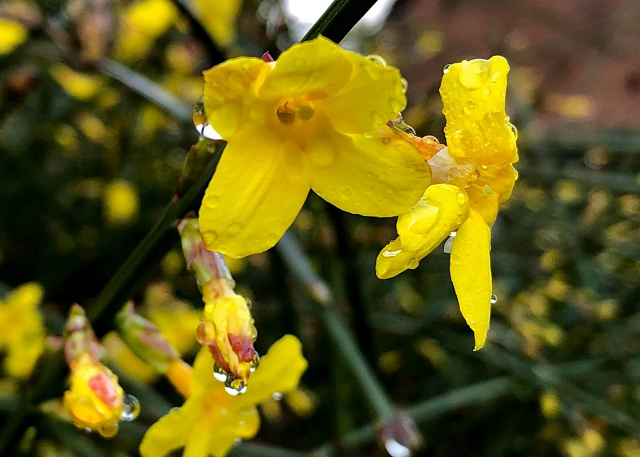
[
  {"x": 413, "y": 263},
  {"x": 234, "y": 228},
  {"x": 487, "y": 191},
  {"x": 391, "y": 253},
  {"x": 474, "y": 176},
  {"x": 87, "y": 430},
  {"x": 324, "y": 158},
  {"x": 494, "y": 299},
  {"x": 212, "y": 201},
  {"x": 277, "y": 396},
  {"x": 513, "y": 129},
  {"x": 377, "y": 59},
  {"x": 474, "y": 73},
  {"x": 347, "y": 193},
  {"x": 237, "y": 441},
  {"x": 130, "y": 408},
  {"x": 305, "y": 113},
  {"x": 446, "y": 68},
  {"x": 484, "y": 167},
  {"x": 396, "y": 449},
  {"x": 204, "y": 333},
  {"x": 377, "y": 119},
  {"x": 234, "y": 386},
  {"x": 219, "y": 373},
  {"x": 462, "y": 198},
  {"x": 199, "y": 117},
  {"x": 255, "y": 362},
  {"x": 108, "y": 430},
  {"x": 449, "y": 243},
  {"x": 405, "y": 85},
  {"x": 469, "y": 107}
]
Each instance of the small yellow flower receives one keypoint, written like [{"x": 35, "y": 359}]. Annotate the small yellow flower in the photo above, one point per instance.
[
  {"x": 22, "y": 331},
  {"x": 211, "y": 420},
  {"x": 120, "y": 202},
  {"x": 78, "y": 85},
  {"x": 95, "y": 399},
  {"x": 12, "y": 34},
  {"x": 219, "y": 18},
  {"x": 315, "y": 119},
  {"x": 472, "y": 176}
]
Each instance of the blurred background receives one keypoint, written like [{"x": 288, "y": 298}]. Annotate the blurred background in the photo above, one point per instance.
[{"x": 88, "y": 163}]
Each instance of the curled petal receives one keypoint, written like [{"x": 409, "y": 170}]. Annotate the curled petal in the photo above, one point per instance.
[
  {"x": 491, "y": 189},
  {"x": 473, "y": 98},
  {"x": 228, "y": 88},
  {"x": 373, "y": 96},
  {"x": 315, "y": 69},
  {"x": 439, "y": 212},
  {"x": 374, "y": 175},
  {"x": 257, "y": 191},
  {"x": 471, "y": 274}
]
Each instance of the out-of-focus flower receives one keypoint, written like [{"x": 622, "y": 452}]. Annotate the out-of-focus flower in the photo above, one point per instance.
[
  {"x": 78, "y": 85},
  {"x": 120, "y": 202},
  {"x": 550, "y": 404},
  {"x": 219, "y": 18},
  {"x": 95, "y": 401},
  {"x": 12, "y": 34},
  {"x": 472, "y": 177},
  {"x": 142, "y": 23},
  {"x": 318, "y": 117},
  {"x": 227, "y": 327},
  {"x": 211, "y": 420},
  {"x": 22, "y": 332}
]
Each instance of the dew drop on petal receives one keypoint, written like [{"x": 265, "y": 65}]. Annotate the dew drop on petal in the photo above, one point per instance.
[
  {"x": 234, "y": 386},
  {"x": 277, "y": 396},
  {"x": 446, "y": 68},
  {"x": 391, "y": 253},
  {"x": 405, "y": 85},
  {"x": 494, "y": 299},
  {"x": 469, "y": 107},
  {"x": 108, "y": 430},
  {"x": 413, "y": 263},
  {"x": 449, "y": 243},
  {"x": 199, "y": 117},
  {"x": 130, "y": 408},
  {"x": 219, "y": 373},
  {"x": 87, "y": 430},
  {"x": 461, "y": 198},
  {"x": 474, "y": 73},
  {"x": 234, "y": 229},
  {"x": 255, "y": 362},
  {"x": 377, "y": 59},
  {"x": 396, "y": 449},
  {"x": 347, "y": 193}
]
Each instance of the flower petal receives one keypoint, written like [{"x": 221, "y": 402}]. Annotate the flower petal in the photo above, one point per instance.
[
  {"x": 228, "y": 89},
  {"x": 379, "y": 176},
  {"x": 202, "y": 380},
  {"x": 316, "y": 68},
  {"x": 279, "y": 371},
  {"x": 257, "y": 191},
  {"x": 471, "y": 274},
  {"x": 245, "y": 425},
  {"x": 373, "y": 96},
  {"x": 473, "y": 98},
  {"x": 440, "y": 211},
  {"x": 493, "y": 188},
  {"x": 200, "y": 438},
  {"x": 172, "y": 430}
]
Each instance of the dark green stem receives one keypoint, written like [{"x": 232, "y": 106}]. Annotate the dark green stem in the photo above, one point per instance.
[{"x": 339, "y": 19}]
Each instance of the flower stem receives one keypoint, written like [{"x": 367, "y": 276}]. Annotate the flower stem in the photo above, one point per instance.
[
  {"x": 299, "y": 265},
  {"x": 339, "y": 19}
]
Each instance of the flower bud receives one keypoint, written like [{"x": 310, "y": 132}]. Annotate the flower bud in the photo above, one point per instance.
[{"x": 79, "y": 337}]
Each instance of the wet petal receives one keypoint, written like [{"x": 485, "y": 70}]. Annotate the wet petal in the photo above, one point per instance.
[
  {"x": 373, "y": 96},
  {"x": 471, "y": 274},
  {"x": 200, "y": 438},
  {"x": 172, "y": 430},
  {"x": 493, "y": 187},
  {"x": 473, "y": 98},
  {"x": 257, "y": 191},
  {"x": 245, "y": 426},
  {"x": 380, "y": 176},
  {"x": 228, "y": 89},
  {"x": 202, "y": 380},
  {"x": 439, "y": 212},
  {"x": 279, "y": 371},
  {"x": 316, "y": 69}
]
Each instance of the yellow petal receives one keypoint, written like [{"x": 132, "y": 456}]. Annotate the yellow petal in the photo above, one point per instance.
[
  {"x": 439, "y": 212},
  {"x": 316, "y": 68},
  {"x": 172, "y": 430},
  {"x": 76, "y": 84},
  {"x": 12, "y": 34},
  {"x": 228, "y": 89},
  {"x": 380, "y": 176},
  {"x": 202, "y": 435},
  {"x": 373, "y": 96},
  {"x": 279, "y": 371},
  {"x": 471, "y": 274},
  {"x": 202, "y": 380},
  {"x": 257, "y": 191},
  {"x": 473, "y": 98},
  {"x": 244, "y": 425},
  {"x": 493, "y": 187}
]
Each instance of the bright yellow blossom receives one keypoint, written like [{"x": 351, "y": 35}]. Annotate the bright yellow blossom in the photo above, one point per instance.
[
  {"x": 211, "y": 420},
  {"x": 315, "y": 119},
  {"x": 22, "y": 331},
  {"x": 12, "y": 34},
  {"x": 472, "y": 176}
]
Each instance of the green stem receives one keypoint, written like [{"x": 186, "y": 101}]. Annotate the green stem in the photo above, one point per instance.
[
  {"x": 339, "y": 19},
  {"x": 299, "y": 265}
]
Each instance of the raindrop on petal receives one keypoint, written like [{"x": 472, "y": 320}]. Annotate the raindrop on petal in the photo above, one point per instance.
[
  {"x": 277, "y": 396},
  {"x": 130, "y": 408},
  {"x": 219, "y": 373},
  {"x": 449, "y": 243},
  {"x": 494, "y": 299}
]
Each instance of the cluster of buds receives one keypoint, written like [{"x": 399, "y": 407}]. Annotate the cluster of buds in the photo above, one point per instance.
[
  {"x": 95, "y": 401},
  {"x": 227, "y": 327}
]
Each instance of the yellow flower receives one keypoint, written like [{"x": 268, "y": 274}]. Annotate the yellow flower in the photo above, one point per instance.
[
  {"x": 472, "y": 176},
  {"x": 78, "y": 85},
  {"x": 211, "y": 420},
  {"x": 12, "y": 34},
  {"x": 315, "y": 119},
  {"x": 120, "y": 202},
  {"x": 22, "y": 331},
  {"x": 142, "y": 23},
  {"x": 95, "y": 399},
  {"x": 219, "y": 18}
]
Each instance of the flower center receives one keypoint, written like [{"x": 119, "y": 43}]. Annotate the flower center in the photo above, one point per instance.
[{"x": 292, "y": 109}]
